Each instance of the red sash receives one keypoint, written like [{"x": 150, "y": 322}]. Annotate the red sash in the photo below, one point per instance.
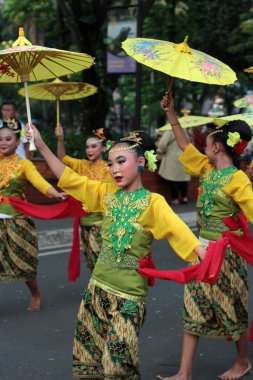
[{"x": 69, "y": 208}]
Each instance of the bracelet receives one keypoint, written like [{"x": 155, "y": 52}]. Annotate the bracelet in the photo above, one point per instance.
[{"x": 173, "y": 125}]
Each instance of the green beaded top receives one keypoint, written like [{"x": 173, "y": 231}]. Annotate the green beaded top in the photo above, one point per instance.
[
  {"x": 124, "y": 208},
  {"x": 213, "y": 180}
]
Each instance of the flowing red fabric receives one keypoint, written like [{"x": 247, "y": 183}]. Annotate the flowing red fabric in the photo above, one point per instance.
[
  {"x": 251, "y": 332},
  {"x": 69, "y": 208},
  {"x": 207, "y": 271}
]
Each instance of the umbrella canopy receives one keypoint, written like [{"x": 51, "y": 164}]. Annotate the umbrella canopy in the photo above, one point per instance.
[
  {"x": 179, "y": 60},
  {"x": 247, "y": 116},
  {"x": 59, "y": 90},
  {"x": 25, "y": 62},
  {"x": 249, "y": 70},
  {"x": 246, "y": 102},
  {"x": 189, "y": 122}
]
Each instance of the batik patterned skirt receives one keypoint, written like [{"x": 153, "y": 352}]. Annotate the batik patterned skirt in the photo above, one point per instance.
[
  {"x": 106, "y": 337},
  {"x": 219, "y": 310},
  {"x": 18, "y": 249},
  {"x": 91, "y": 241}
]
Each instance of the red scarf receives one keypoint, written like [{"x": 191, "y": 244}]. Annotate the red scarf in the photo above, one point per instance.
[{"x": 69, "y": 208}]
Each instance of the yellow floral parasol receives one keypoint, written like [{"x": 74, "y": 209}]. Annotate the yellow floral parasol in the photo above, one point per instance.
[
  {"x": 179, "y": 60},
  {"x": 247, "y": 116},
  {"x": 189, "y": 121},
  {"x": 59, "y": 90},
  {"x": 25, "y": 62},
  {"x": 246, "y": 102},
  {"x": 249, "y": 70}
]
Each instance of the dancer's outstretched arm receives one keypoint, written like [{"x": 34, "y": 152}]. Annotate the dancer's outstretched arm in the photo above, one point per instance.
[
  {"x": 53, "y": 162},
  {"x": 167, "y": 104}
]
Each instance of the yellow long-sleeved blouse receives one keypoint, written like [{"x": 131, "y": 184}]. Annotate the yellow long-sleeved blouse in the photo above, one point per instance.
[
  {"x": 157, "y": 220},
  {"x": 93, "y": 170},
  {"x": 239, "y": 188},
  {"x": 14, "y": 174}
]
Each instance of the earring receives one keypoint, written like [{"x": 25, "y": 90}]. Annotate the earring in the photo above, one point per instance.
[{"x": 140, "y": 168}]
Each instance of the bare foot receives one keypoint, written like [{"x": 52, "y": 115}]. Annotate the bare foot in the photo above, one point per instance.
[
  {"x": 175, "y": 377},
  {"x": 236, "y": 372},
  {"x": 35, "y": 302}
]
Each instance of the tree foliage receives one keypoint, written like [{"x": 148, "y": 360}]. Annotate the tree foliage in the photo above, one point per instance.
[{"x": 221, "y": 29}]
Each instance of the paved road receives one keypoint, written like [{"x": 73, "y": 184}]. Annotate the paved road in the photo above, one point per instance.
[{"x": 38, "y": 346}]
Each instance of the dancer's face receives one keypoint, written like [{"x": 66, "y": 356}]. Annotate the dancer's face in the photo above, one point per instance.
[
  {"x": 210, "y": 149},
  {"x": 8, "y": 142},
  {"x": 123, "y": 167},
  {"x": 93, "y": 149}
]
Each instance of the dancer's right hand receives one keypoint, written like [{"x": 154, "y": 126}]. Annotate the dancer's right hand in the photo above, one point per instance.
[
  {"x": 31, "y": 129},
  {"x": 59, "y": 133}
]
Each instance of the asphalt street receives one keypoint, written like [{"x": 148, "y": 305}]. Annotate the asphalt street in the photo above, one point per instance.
[{"x": 38, "y": 346}]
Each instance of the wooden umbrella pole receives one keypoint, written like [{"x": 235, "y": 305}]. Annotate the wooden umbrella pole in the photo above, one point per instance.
[
  {"x": 58, "y": 115},
  {"x": 171, "y": 81},
  {"x": 32, "y": 146}
]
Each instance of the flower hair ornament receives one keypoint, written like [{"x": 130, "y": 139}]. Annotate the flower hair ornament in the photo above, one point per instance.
[
  {"x": 235, "y": 142},
  {"x": 11, "y": 124},
  {"x": 151, "y": 160}
]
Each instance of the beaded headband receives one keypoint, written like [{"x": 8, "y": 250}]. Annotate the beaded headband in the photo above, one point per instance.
[
  {"x": 11, "y": 124},
  {"x": 128, "y": 147},
  {"x": 216, "y": 131}
]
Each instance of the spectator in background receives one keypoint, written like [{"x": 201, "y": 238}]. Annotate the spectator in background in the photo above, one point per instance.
[
  {"x": 9, "y": 110},
  {"x": 171, "y": 169}
]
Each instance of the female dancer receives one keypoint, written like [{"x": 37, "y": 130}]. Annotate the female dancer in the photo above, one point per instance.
[
  {"x": 93, "y": 168},
  {"x": 112, "y": 311},
  {"x": 219, "y": 310},
  {"x": 18, "y": 240}
]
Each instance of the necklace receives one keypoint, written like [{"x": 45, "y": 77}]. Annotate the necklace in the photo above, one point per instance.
[
  {"x": 213, "y": 180},
  {"x": 125, "y": 208}
]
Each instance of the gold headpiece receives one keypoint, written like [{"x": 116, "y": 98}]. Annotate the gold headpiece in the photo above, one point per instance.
[
  {"x": 133, "y": 136},
  {"x": 100, "y": 133},
  {"x": 11, "y": 124}
]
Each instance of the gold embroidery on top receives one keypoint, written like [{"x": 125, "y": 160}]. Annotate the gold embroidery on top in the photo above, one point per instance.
[{"x": 8, "y": 165}]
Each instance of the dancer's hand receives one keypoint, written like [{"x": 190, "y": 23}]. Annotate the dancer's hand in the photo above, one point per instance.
[
  {"x": 59, "y": 133},
  {"x": 201, "y": 252},
  {"x": 61, "y": 196},
  {"x": 53, "y": 193},
  {"x": 167, "y": 102},
  {"x": 29, "y": 129}
]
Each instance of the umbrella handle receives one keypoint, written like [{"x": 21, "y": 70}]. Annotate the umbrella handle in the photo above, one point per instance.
[
  {"x": 32, "y": 146},
  {"x": 58, "y": 115},
  {"x": 170, "y": 85}
]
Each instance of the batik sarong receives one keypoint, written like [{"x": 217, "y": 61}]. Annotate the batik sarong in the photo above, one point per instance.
[
  {"x": 18, "y": 249},
  {"x": 106, "y": 337},
  {"x": 219, "y": 310},
  {"x": 91, "y": 241}
]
